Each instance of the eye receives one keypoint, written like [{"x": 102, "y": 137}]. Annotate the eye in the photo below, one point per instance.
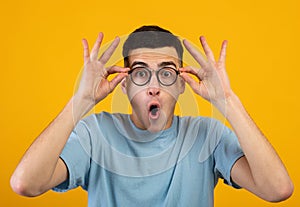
[
  {"x": 166, "y": 73},
  {"x": 140, "y": 73}
]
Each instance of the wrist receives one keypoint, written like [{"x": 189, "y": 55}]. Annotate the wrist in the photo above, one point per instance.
[
  {"x": 226, "y": 101},
  {"x": 80, "y": 106},
  {"x": 232, "y": 108}
]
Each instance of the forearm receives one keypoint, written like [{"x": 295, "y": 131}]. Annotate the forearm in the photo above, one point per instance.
[
  {"x": 261, "y": 170},
  {"x": 40, "y": 168},
  {"x": 267, "y": 170},
  {"x": 39, "y": 163}
]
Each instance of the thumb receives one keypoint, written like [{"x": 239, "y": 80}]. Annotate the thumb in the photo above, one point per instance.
[{"x": 192, "y": 83}]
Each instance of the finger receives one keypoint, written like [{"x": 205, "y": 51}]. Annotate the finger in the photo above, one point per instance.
[
  {"x": 117, "y": 79},
  {"x": 207, "y": 50},
  {"x": 223, "y": 52},
  {"x": 194, "y": 84},
  {"x": 117, "y": 69},
  {"x": 95, "y": 50},
  {"x": 86, "y": 53},
  {"x": 112, "y": 70},
  {"x": 108, "y": 53},
  {"x": 197, "y": 55},
  {"x": 199, "y": 73}
]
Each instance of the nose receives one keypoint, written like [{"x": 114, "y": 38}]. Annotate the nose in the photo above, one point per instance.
[
  {"x": 153, "y": 88},
  {"x": 153, "y": 81},
  {"x": 153, "y": 91}
]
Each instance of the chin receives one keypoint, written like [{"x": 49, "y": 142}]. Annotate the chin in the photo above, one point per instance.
[{"x": 159, "y": 124}]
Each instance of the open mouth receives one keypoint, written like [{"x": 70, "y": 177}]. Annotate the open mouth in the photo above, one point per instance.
[{"x": 154, "y": 110}]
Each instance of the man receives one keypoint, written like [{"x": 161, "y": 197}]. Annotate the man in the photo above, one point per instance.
[{"x": 151, "y": 157}]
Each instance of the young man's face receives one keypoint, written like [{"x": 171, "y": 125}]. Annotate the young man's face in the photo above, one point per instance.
[{"x": 153, "y": 101}]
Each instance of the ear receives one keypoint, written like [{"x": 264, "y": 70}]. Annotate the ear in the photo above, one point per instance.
[
  {"x": 124, "y": 85},
  {"x": 182, "y": 85}
]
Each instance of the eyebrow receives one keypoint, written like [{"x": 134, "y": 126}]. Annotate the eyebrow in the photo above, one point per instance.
[
  {"x": 139, "y": 63},
  {"x": 168, "y": 63},
  {"x": 162, "y": 64}
]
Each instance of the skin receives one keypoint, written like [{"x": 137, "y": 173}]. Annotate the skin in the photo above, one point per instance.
[
  {"x": 260, "y": 171},
  {"x": 142, "y": 96}
]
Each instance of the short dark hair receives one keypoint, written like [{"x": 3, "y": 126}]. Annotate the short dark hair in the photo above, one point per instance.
[{"x": 151, "y": 36}]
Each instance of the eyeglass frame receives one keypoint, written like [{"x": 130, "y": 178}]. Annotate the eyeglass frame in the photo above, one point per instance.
[{"x": 156, "y": 73}]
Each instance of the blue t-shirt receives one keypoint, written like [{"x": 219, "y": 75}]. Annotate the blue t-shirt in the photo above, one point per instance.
[{"x": 122, "y": 165}]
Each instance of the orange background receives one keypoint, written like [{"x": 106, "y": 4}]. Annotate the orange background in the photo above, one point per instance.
[{"x": 41, "y": 57}]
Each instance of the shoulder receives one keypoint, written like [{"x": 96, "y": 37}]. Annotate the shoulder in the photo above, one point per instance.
[
  {"x": 99, "y": 123},
  {"x": 208, "y": 131},
  {"x": 202, "y": 122},
  {"x": 103, "y": 118}
]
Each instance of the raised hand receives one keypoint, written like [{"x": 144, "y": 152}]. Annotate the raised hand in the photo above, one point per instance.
[
  {"x": 213, "y": 83},
  {"x": 94, "y": 85}
]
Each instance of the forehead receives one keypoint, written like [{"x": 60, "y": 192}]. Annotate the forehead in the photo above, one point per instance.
[{"x": 153, "y": 56}]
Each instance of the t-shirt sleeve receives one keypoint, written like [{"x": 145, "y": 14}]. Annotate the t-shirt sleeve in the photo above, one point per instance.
[
  {"x": 77, "y": 159},
  {"x": 227, "y": 152}
]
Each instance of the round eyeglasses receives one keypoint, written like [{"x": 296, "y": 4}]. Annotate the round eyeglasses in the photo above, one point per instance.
[{"x": 166, "y": 76}]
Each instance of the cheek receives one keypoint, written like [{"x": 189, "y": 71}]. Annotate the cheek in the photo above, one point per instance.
[
  {"x": 172, "y": 92},
  {"x": 136, "y": 94}
]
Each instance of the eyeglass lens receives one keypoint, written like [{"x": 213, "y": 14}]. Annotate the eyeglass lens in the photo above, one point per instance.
[{"x": 142, "y": 75}]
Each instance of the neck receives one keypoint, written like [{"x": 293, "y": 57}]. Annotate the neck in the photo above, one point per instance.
[{"x": 162, "y": 123}]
